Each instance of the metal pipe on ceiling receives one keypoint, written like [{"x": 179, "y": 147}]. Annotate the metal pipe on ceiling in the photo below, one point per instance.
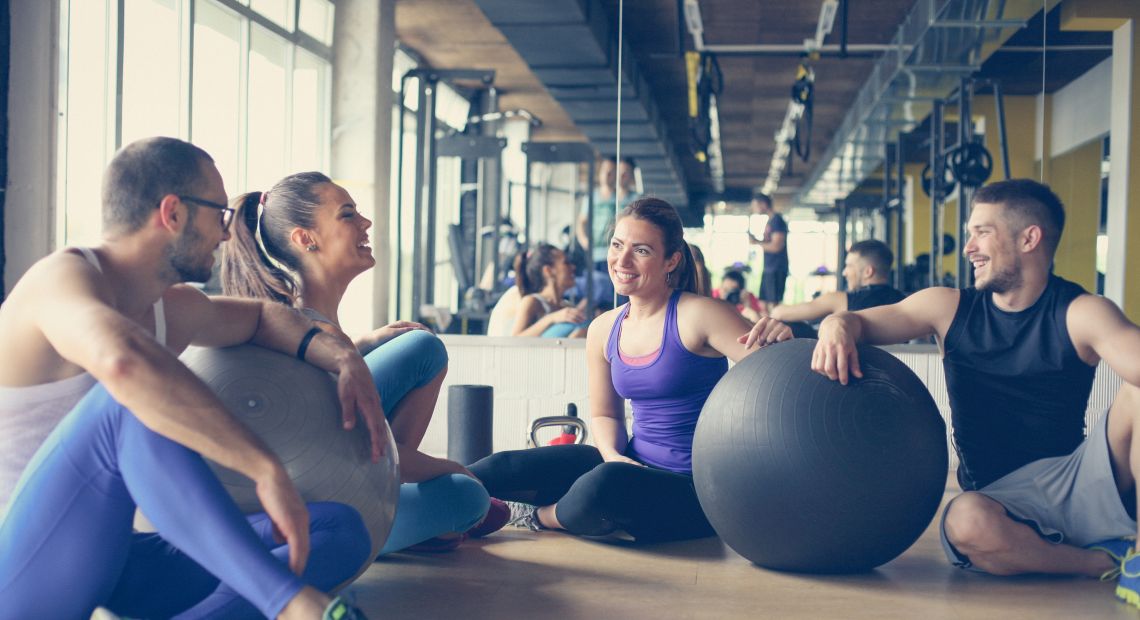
[
  {"x": 925, "y": 59},
  {"x": 781, "y": 49}
]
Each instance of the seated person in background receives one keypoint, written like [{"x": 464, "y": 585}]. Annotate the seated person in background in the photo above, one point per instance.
[
  {"x": 543, "y": 277},
  {"x": 866, "y": 269},
  {"x": 119, "y": 422},
  {"x": 1021, "y": 353},
  {"x": 501, "y": 322},
  {"x": 732, "y": 290},
  {"x": 665, "y": 350},
  {"x": 300, "y": 244}
]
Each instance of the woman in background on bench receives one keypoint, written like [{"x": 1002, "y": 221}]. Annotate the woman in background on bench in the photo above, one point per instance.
[
  {"x": 543, "y": 276},
  {"x": 301, "y": 243}
]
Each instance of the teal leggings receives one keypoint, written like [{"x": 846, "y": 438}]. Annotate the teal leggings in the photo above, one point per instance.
[{"x": 452, "y": 503}]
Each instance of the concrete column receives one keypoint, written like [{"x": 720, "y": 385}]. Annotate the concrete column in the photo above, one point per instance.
[
  {"x": 1075, "y": 177},
  {"x": 29, "y": 210},
  {"x": 364, "y": 44},
  {"x": 1120, "y": 17},
  {"x": 1124, "y": 174}
]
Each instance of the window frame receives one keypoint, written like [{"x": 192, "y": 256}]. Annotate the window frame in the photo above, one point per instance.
[{"x": 297, "y": 42}]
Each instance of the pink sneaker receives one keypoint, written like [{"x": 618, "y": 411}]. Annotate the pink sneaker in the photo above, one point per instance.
[{"x": 497, "y": 516}]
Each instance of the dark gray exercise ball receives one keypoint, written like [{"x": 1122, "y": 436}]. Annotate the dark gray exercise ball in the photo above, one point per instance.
[
  {"x": 800, "y": 473},
  {"x": 293, "y": 407}
]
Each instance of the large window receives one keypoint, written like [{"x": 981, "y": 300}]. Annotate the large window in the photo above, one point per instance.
[
  {"x": 247, "y": 81},
  {"x": 451, "y": 112},
  {"x": 813, "y": 252}
]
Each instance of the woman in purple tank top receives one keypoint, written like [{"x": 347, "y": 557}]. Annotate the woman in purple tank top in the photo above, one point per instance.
[{"x": 664, "y": 351}]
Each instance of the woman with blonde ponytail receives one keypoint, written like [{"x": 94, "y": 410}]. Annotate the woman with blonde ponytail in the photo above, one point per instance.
[{"x": 301, "y": 243}]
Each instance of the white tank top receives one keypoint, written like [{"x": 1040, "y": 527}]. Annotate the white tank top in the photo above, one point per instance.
[{"x": 29, "y": 414}]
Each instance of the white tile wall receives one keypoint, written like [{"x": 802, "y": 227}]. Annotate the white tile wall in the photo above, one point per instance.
[
  {"x": 538, "y": 377},
  {"x": 532, "y": 378}
]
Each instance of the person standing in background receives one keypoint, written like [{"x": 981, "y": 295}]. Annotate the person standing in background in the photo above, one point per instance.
[
  {"x": 616, "y": 187},
  {"x": 775, "y": 246},
  {"x": 616, "y": 184}
]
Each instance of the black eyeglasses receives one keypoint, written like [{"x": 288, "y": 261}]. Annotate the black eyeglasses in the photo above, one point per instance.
[{"x": 227, "y": 213}]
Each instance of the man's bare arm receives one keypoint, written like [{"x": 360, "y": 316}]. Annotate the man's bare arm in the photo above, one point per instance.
[
  {"x": 1099, "y": 329},
  {"x": 82, "y": 326},
  {"x": 224, "y": 321},
  {"x": 929, "y": 311},
  {"x": 814, "y": 310}
]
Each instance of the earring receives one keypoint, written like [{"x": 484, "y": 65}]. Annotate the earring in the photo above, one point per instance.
[
  {"x": 669, "y": 279},
  {"x": 312, "y": 247}
]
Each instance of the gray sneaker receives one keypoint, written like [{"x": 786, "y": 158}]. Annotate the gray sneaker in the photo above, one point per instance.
[{"x": 524, "y": 515}]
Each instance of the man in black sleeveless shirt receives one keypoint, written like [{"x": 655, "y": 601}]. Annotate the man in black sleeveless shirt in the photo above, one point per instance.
[
  {"x": 866, "y": 269},
  {"x": 1019, "y": 353}
]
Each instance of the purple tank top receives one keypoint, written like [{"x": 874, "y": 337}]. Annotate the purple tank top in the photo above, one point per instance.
[{"x": 667, "y": 394}]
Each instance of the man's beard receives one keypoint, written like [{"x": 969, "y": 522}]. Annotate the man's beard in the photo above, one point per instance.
[
  {"x": 1003, "y": 281},
  {"x": 185, "y": 257}
]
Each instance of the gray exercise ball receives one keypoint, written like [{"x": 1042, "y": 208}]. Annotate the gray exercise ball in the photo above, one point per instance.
[
  {"x": 800, "y": 473},
  {"x": 293, "y": 407}
]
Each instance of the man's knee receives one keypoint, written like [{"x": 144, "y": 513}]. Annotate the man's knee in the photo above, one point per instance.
[
  {"x": 342, "y": 528},
  {"x": 972, "y": 524},
  {"x": 1122, "y": 417},
  {"x": 1127, "y": 399}
]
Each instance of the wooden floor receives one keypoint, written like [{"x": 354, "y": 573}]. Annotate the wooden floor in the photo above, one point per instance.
[{"x": 521, "y": 574}]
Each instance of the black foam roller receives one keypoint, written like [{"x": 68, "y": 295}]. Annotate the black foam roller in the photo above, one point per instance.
[{"x": 470, "y": 413}]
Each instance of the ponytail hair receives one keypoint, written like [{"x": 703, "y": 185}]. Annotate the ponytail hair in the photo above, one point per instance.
[
  {"x": 259, "y": 260},
  {"x": 529, "y": 265},
  {"x": 663, "y": 216},
  {"x": 704, "y": 277},
  {"x": 685, "y": 277}
]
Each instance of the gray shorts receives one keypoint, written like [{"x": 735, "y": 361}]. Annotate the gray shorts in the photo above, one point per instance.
[{"x": 1068, "y": 499}]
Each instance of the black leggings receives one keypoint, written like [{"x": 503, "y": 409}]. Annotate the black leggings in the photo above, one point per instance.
[{"x": 595, "y": 498}]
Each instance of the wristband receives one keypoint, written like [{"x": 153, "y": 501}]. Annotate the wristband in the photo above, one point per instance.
[{"x": 304, "y": 346}]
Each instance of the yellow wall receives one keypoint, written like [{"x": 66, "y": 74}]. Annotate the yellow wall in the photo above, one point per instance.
[
  {"x": 1020, "y": 115},
  {"x": 1075, "y": 177},
  {"x": 1132, "y": 192},
  {"x": 921, "y": 212},
  {"x": 1113, "y": 15},
  {"x": 1021, "y": 134},
  {"x": 921, "y": 217}
]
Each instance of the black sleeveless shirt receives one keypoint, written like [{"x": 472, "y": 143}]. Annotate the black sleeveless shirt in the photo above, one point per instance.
[
  {"x": 873, "y": 295},
  {"x": 1018, "y": 390}
]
